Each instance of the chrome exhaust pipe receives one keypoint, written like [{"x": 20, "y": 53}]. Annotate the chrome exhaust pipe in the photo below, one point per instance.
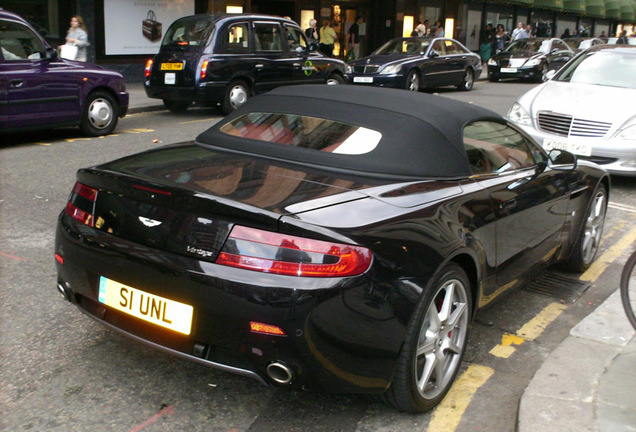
[
  {"x": 280, "y": 373},
  {"x": 62, "y": 289}
]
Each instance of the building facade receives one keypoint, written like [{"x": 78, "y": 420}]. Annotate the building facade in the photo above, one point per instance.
[{"x": 125, "y": 33}]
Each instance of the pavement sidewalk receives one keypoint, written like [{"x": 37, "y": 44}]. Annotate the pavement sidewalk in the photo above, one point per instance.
[{"x": 588, "y": 383}]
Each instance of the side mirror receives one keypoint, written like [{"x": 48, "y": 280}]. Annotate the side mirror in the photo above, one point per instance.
[
  {"x": 50, "y": 53},
  {"x": 433, "y": 54},
  {"x": 562, "y": 160},
  {"x": 550, "y": 74}
]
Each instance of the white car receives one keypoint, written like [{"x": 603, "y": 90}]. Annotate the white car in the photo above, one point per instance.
[{"x": 587, "y": 108}]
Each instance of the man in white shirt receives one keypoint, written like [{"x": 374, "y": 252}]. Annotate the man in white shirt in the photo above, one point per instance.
[{"x": 520, "y": 32}]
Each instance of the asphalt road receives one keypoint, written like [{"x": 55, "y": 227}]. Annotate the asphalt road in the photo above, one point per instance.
[{"x": 60, "y": 371}]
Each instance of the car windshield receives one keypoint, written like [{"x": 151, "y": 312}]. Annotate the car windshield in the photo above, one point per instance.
[
  {"x": 304, "y": 131},
  {"x": 610, "y": 68},
  {"x": 188, "y": 34},
  {"x": 532, "y": 45},
  {"x": 404, "y": 46}
]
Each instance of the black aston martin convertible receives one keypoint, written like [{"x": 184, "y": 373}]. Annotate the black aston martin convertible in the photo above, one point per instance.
[{"x": 329, "y": 238}]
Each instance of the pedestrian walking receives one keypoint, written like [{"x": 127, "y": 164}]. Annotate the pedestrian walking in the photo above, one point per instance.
[
  {"x": 439, "y": 29},
  {"x": 622, "y": 39},
  {"x": 76, "y": 40},
  {"x": 327, "y": 38},
  {"x": 487, "y": 42},
  {"x": 313, "y": 35},
  {"x": 499, "y": 39},
  {"x": 520, "y": 32},
  {"x": 354, "y": 38}
]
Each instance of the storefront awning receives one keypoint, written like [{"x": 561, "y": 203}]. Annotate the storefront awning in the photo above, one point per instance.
[
  {"x": 595, "y": 8},
  {"x": 627, "y": 10},
  {"x": 577, "y": 6},
  {"x": 613, "y": 9},
  {"x": 549, "y": 4}
]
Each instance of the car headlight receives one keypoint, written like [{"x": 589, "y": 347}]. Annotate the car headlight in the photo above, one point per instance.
[
  {"x": 627, "y": 134},
  {"x": 492, "y": 62},
  {"x": 348, "y": 69},
  {"x": 533, "y": 62},
  {"x": 390, "y": 69},
  {"x": 519, "y": 115}
]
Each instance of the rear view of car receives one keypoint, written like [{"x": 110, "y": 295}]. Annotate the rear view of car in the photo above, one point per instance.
[
  {"x": 225, "y": 59},
  {"x": 45, "y": 91}
]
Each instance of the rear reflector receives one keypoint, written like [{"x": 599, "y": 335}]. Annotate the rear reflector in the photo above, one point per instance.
[
  {"x": 59, "y": 258},
  {"x": 283, "y": 254},
  {"x": 257, "y": 327}
]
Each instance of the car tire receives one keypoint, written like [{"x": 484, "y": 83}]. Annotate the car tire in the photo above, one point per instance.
[
  {"x": 412, "y": 81},
  {"x": 435, "y": 343},
  {"x": 177, "y": 106},
  {"x": 335, "y": 79},
  {"x": 236, "y": 94},
  {"x": 589, "y": 236},
  {"x": 100, "y": 115},
  {"x": 469, "y": 80}
]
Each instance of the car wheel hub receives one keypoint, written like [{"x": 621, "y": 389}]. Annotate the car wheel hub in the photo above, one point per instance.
[
  {"x": 100, "y": 113},
  {"x": 593, "y": 228},
  {"x": 238, "y": 96},
  {"x": 442, "y": 339}
]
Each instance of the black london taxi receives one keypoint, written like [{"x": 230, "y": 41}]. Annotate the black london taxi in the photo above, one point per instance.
[{"x": 226, "y": 58}]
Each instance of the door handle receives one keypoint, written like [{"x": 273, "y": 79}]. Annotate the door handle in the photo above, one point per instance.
[
  {"x": 259, "y": 66},
  {"x": 297, "y": 65},
  {"x": 508, "y": 205},
  {"x": 17, "y": 82}
]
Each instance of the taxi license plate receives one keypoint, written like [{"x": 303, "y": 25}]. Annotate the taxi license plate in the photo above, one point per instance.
[
  {"x": 581, "y": 149},
  {"x": 148, "y": 307},
  {"x": 366, "y": 80},
  {"x": 171, "y": 66},
  {"x": 508, "y": 70},
  {"x": 170, "y": 78}
]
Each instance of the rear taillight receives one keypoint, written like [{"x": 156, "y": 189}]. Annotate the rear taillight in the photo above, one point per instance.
[
  {"x": 204, "y": 70},
  {"x": 148, "y": 68},
  {"x": 269, "y": 252},
  {"x": 81, "y": 204}
]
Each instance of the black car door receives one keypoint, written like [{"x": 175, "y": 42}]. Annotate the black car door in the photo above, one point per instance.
[
  {"x": 531, "y": 200},
  {"x": 559, "y": 55},
  {"x": 273, "y": 60},
  {"x": 305, "y": 70}
]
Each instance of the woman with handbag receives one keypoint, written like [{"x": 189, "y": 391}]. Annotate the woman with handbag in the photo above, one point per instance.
[{"x": 76, "y": 41}]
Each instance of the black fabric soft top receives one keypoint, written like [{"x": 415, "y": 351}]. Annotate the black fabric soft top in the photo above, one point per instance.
[{"x": 421, "y": 133}]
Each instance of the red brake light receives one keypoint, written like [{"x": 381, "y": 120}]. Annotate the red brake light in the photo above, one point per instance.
[
  {"x": 148, "y": 68},
  {"x": 81, "y": 203},
  {"x": 283, "y": 254},
  {"x": 257, "y": 327},
  {"x": 204, "y": 69}
]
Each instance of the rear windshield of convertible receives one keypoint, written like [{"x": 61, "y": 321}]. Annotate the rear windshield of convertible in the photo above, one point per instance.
[{"x": 304, "y": 131}]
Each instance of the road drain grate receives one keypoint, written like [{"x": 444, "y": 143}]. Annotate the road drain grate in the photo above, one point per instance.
[{"x": 555, "y": 285}]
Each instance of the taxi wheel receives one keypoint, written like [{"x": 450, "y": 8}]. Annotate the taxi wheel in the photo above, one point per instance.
[
  {"x": 100, "y": 115},
  {"x": 435, "y": 344},
  {"x": 236, "y": 94},
  {"x": 335, "y": 79},
  {"x": 177, "y": 106},
  {"x": 468, "y": 82}
]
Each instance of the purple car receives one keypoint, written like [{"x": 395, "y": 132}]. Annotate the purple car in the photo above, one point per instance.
[{"x": 40, "y": 90}]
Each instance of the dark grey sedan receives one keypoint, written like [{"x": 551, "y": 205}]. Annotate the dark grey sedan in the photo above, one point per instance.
[{"x": 413, "y": 63}]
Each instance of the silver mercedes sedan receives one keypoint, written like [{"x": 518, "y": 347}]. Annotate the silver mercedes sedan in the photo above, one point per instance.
[{"x": 587, "y": 108}]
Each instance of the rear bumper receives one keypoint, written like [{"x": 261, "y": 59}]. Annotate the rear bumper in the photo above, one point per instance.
[
  {"x": 208, "y": 93},
  {"x": 334, "y": 341}
]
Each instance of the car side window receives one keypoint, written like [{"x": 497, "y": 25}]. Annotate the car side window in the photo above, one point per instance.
[
  {"x": 493, "y": 147},
  {"x": 18, "y": 42},
  {"x": 451, "y": 47},
  {"x": 267, "y": 37},
  {"x": 295, "y": 38},
  {"x": 438, "y": 46},
  {"x": 237, "y": 39}
]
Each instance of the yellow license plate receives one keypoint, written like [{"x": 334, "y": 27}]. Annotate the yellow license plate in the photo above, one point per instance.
[
  {"x": 148, "y": 307},
  {"x": 171, "y": 66}
]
